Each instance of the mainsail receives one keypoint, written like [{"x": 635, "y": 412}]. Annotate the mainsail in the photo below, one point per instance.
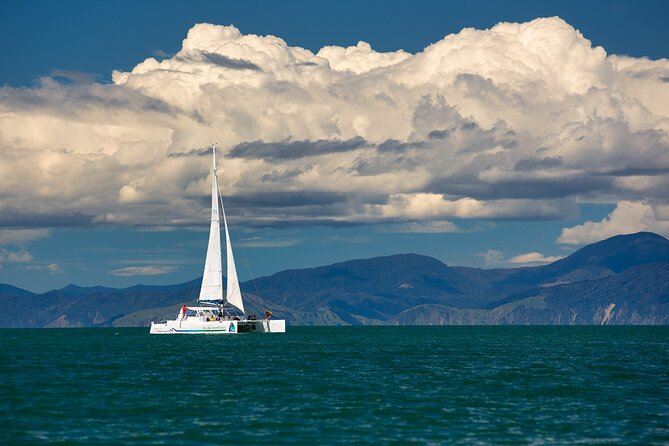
[{"x": 212, "y": 285}]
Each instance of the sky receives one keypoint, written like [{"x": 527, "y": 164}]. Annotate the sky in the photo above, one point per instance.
[{"x": 484, "y": 133}]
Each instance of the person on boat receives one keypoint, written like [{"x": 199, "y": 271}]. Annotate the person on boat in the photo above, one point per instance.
[
  {"x": 268, "y": 314},
  {"x": 220, "y": 315},
  {"x": 182, "y": 313}
]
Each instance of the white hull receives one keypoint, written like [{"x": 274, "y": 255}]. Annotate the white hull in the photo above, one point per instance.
[{"x": 194, "y": 325}]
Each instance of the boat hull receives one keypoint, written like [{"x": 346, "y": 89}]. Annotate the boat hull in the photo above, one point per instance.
[{"x": 218, "y": 327}]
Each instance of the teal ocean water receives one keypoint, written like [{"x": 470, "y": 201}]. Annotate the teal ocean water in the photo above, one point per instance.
[{"x": 325, "y": 385}]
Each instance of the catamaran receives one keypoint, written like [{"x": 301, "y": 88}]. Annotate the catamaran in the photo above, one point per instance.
[{"x": 216, "y": 315}]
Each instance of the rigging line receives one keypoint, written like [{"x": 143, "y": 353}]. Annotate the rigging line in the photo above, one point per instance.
[
  {"x": 248, "y": 264},
  {"x": 253, "y": 279}
]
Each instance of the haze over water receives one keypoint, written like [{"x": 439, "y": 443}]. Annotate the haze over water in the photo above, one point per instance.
[{"x": 369, "y": 385}]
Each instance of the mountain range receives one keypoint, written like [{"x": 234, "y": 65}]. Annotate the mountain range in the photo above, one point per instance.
[{"x": 621, "y": 280}]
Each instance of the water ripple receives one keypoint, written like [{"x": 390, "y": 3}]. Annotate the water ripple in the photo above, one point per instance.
[{"x": 368, "y": 385}]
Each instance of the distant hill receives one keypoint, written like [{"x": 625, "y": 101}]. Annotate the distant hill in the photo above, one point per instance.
[
  {"x": 637, "y": 296},
  {"x": 598, "y": 260},
  {"x": 75, "y": 306},
  {"x": 9, "y": 290},
  {"x": 74, "y": 290},
  {"x": 374, "y": 288},
  {"x": 621, "y": 280}
]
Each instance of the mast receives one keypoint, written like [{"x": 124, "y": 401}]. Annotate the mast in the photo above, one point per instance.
[{"x": 212, "y": 282}]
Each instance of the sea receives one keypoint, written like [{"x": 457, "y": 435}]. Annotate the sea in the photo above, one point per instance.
[{"x": 473, "y": 385}]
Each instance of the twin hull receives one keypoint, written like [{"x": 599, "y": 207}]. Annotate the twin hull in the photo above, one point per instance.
[{"x": 218, "y": 327}]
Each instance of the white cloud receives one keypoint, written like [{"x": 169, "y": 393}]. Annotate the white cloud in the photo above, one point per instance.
[
  {"x": 54, "y": 268},
  {"x": 520, "y": 121},
  {"x": 496, "y": 258},
  {"x": 143, "y": 270},
  {"x": 427, "y": 227},
  {"x": 493, "y": 257},
  {"x": 258, "y": 242},
  {"x": 21, "y": 256},
  {"x": 435, "y": 206},
  {"x": 628, "y": 217},
  {"x": 534, "y": 258},
  {"x": 21, "y": 236},
  {"x": 360, "y": 58}
]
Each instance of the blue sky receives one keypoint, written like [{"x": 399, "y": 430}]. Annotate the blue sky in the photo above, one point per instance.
[{"x": 524, "y": 183}]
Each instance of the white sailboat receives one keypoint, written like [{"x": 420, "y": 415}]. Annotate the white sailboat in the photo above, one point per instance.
[{"x": 217, "y": 315}]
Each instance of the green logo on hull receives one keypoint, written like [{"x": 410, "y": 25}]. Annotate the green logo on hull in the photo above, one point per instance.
[{"x": 232, "y": 327}]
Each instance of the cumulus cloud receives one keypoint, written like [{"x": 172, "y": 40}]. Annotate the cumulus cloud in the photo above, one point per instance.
[
  {"x": 497, "y": 258},
  {"x": 520, "y": 121},
  {"x": 627, "y": 218},
  {"x": 360, "y": 58},
  {"x": 51, "y": 268},
  {"x": 54, "y": 268},
  {"x": 21, "y": 256},
  {"x": 492, "y": 257},
  {"x": 150, "y": 270},
  {"x": 429, "y": 206},
  {"x": 533, "y": 258},
  {"x": 22, "y": 236}
]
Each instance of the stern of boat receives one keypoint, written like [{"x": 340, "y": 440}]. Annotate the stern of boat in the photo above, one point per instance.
[
  {"x": 159, "y": 328},
  {"x": 263, "y": 326}
]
